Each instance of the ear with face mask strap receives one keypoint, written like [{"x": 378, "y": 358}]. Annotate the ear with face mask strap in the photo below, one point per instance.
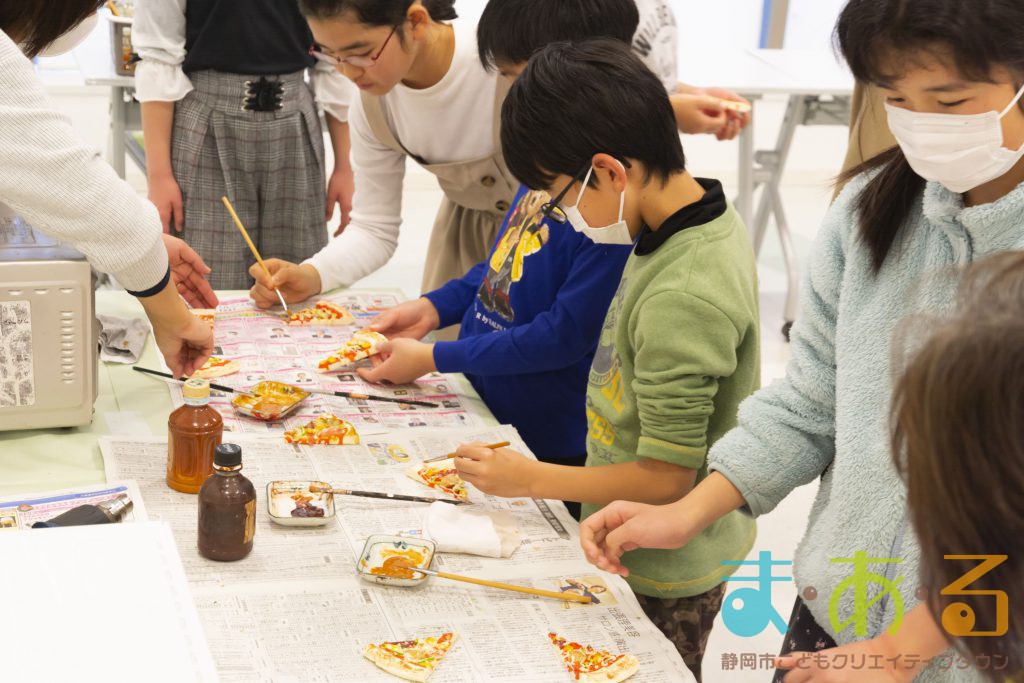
[{"x": 616, "y": 233}]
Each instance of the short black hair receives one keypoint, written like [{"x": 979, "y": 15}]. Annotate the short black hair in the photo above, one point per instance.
[
  {"x": 575, "y": 100},
  {"x": 512, "y": 30},
  {"x": 37, "y": 23}
]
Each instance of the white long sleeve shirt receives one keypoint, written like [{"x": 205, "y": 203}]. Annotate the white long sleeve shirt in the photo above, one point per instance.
[
  {"x": 158, "y": 36},
  {"x": 60, "y": 186},
  {"x": 450, "y": 121}
]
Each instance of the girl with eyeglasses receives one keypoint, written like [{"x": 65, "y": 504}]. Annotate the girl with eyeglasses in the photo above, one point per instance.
[
  {"x": 226, "y": 111},
  {"x": 424, "y": 96}
]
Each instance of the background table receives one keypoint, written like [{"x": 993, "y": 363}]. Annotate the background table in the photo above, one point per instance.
[
  {"x": 819, "y": 91},
  {"x": 46, "y": 459}
]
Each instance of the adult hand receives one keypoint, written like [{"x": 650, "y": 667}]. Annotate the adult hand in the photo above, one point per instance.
[
  {"x": 189, "y": 272},
  {"x": 624, "y": 526},
  {"x": 401, "y": 361},
  {"x": 296, "y": 282},
  {"x": 185, "y": 341},
  {"x": 502, "y": 472},
  {"x": 165, "y": 194},
  {"x": 698, "y": 113},
  {"x": 411, "y": 319},
  {"x": 340, "y": 188}
]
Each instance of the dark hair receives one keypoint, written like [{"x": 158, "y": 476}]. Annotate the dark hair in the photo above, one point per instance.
[
  {"x": 37, "y": 23},
  {"x": 376, "y": 12},
  {"x": 575, "y": 100},
  {"x": 958, "y": 441},
  {"x": 512, "y": 30},
  {"x": 870, "y": 33}
]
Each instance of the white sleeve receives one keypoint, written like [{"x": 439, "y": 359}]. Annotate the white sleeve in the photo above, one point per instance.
[
  {"x": 62, "y": 187},
  {"x": 370, "y": 239},
  {"x": 333, "y": 92},
  {"x": 158, "y": 36}
]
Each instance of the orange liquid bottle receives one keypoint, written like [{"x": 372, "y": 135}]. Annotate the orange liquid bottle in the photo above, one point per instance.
[{"x": 193, "y": 433}]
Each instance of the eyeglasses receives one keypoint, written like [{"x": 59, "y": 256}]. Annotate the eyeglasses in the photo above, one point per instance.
[
  {"x": 357, "y": 61},
  {"x": 552, "y": 209}
]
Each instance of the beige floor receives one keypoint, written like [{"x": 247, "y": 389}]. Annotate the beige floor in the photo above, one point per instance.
[{"x": 815, "y": 157}]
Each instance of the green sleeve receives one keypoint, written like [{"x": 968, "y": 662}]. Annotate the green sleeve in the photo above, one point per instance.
[{"x": 684, "y": 345}]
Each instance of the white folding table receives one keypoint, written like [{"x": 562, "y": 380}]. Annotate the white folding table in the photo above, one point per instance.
[{"x": 819, "y": 89}]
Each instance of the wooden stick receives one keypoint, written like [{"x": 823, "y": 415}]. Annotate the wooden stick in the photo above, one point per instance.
[
  {"x": 182, "y": 380},
  {"x": 368, "y": 397},
  {"x": 502, "y": 444},
  {"x": 557, "y": 595},
  {"x": 387, "y": 496},
  {"x": 252, "y": 247},
  {"x": 113, "y": 8}
]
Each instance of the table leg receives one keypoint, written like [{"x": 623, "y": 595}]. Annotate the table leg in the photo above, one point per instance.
[
  {"x": 745, "y": 195},
  {"x": 118, "y": 117}
]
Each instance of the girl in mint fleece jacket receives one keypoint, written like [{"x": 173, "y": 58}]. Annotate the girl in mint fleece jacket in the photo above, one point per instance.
[{"x": 886, "y": 250}]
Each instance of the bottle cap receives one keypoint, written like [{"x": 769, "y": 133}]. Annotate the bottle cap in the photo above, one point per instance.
[
  {"x": 196, "y": 389},
  {"x": 228, "y": 455}
]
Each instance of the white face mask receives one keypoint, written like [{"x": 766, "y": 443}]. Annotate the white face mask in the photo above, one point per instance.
[
  {"x": 959, "y": 151},
  {"x": 71, "y": 39},
  {"x": 616, "y": 233}
]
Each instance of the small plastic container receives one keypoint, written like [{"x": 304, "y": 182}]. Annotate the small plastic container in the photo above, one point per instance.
[
  {"x": 292, "y": 503},
  {"x": 273, "y": 401},
  {"x": 382, "y": 547},
  {"x": 122, "y": 51}
]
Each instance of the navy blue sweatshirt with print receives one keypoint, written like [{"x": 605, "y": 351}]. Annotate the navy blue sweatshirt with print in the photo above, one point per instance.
[{"x": 531, "y": 316}]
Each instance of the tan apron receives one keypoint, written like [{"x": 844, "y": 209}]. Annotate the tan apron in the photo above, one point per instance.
[{"x": 477, "y": 194}]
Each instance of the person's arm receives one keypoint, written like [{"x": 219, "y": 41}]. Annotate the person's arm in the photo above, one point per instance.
[
  {"x": 158, "y": 35},
  {"x": 334, "y": 94},
  {"x": 554, "y": 339},
  {"x": 372, "y": 235},
  {"x": 63, "y": 188}
]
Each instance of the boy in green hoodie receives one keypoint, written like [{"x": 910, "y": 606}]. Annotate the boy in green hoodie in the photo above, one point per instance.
[{"x": 679, "y": 350}]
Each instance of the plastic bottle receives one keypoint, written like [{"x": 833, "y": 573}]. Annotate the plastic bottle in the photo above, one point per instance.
[{"x": 193, "y": 432}]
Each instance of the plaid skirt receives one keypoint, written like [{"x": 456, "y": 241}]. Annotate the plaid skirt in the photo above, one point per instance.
[{"x": 270, "y": 164}]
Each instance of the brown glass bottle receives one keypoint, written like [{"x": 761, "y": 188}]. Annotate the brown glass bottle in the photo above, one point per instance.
[
  {"x": 193, "y": 432},
  {"x": 227, "y": 508}
]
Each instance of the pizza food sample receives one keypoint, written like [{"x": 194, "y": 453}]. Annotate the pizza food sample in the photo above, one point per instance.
[
  {"x": 363, "y": 344},
  {"x": 217, "y": 367},
  {"x": 325, "y": 429},
  {"x": 323, "y": 313},
  {"x": 441, "y": 476},
  {"x": 411, "y": 660},
  {"x": 584, "y": 663}
]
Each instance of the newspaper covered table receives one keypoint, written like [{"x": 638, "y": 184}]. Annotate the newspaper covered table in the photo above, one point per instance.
[
  {"x": 295, "y": 609},
  {"x": 269, "y": 349}
]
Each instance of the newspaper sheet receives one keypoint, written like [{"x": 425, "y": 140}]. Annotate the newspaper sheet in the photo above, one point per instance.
[
  {"x": 296, "y": 610},
  {"x": 22, "y": 510},
  {"x": 269, "y": 349}
]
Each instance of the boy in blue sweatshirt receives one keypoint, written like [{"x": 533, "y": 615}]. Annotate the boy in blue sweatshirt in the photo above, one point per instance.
[{"x": 531, "y": 314}]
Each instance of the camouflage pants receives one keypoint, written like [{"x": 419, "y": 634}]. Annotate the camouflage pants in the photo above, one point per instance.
[{"x": 686, "y": 622}]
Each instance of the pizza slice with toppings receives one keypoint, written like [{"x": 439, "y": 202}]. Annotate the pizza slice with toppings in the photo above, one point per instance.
[
  {"x": 410, "y": 660},
  {"x": 217, "y": 367},
  {"x": 324, "y": 430},
  {"x": 363, "y": 344},
  {"x": 441, "y": 476},
  {"x": 323, "y": 313},
  {"x": 584, "y": 663}
]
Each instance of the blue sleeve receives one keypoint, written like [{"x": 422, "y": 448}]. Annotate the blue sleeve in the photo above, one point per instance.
[
  {"x": 454, "y": 297},
  {"x": 558, "y": 337}
]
